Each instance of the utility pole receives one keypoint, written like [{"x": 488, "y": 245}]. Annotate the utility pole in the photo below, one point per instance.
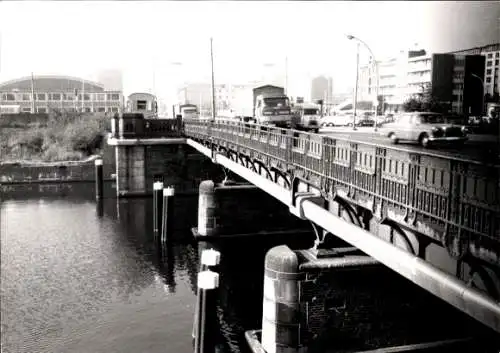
[
  {"x": 356, "y": 87},
  {"x": 213, "y": 78},
  {"x": 286, "y": 75},
  {"x": 32, "y": 93},
  {"x": 83, "y": 95}
]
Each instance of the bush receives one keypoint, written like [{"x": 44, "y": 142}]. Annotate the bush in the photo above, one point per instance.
[{"x": 65, "y": 136}]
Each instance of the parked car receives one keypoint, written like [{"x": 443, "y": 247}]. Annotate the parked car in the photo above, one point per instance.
[
  {"x": 365, "y": 121},
  {"x": 328, "y": 121},
  {"x": 426, "y": 128}
]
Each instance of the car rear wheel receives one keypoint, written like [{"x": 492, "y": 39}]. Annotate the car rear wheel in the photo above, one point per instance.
[
  {"x": 394, "y": 138},
  {"x": 424, "y": 140}
]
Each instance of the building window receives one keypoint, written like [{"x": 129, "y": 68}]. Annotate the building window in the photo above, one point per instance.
[
  {"x": 41, "y": 97},
  {"x": 490, "y": 55},
  {"x": 86, "y": 96},
  {"x": 496, "y": 62},
  {"x": 26, "y": 97},
  {"x": 488, "y": 72},
  {"x": 26, "y": 110},
  {"x": 41, "y": 110},
  {"x": 101, "y": 109},
  {"x": 68, "y": 96},
  {"x": 56, "y": 96},
  {"x": 489, "y": 63},
  {"x": 488, "y": 79},
  {"x": 100, "y": 97},
  {"x": 8, "y": 97},
  {"x": 87, "y": 110},
  {"x": 113, "y": 97},
  {"x": 114, "y": 109}
]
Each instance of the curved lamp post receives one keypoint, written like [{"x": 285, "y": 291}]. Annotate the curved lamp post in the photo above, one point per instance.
[{"x": 351, "y": 37}]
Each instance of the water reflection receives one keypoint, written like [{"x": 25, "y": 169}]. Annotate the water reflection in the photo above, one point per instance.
[
  {"x": 95, "y": 280},
  {"x": 87, "y": 275}
]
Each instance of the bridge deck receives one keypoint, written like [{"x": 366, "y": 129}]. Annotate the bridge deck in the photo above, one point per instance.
[{"x": 449, "y": 200}]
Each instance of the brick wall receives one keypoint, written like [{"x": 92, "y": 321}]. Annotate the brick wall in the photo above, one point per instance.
[{"x": 369, "y": 308}]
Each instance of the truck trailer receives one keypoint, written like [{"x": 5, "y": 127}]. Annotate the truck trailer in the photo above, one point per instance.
[{"x": 271, "y": 106}]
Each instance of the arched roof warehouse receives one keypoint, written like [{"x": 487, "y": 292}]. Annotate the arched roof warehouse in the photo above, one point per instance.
[{"x": 51, "y": 83}]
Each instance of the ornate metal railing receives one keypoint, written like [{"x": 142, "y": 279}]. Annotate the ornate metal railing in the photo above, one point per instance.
[
  {"x": 133, "y": 126},
  {"x": 452, "y": 201}
]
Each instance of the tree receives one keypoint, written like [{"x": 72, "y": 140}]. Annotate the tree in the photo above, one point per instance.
[
  {"x": 424, "y": 102},
  {"x": 412, "y": 104},
  {"x": 381, "y": 104}
]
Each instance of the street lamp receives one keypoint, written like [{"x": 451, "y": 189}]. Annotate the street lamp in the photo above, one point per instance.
[
  {"x": 351, "y": 37},
  {"x": 213, "y": 78},
  {"x": 482, "y": 87}
]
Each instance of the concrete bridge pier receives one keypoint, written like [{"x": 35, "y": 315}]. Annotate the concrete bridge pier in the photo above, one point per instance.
[
  {"x": 130, "y": 170},
  {"x": 240, "y": 210}
]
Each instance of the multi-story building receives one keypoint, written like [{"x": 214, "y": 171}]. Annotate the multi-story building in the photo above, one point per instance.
[
  {"x": 408, "y": 75},
  {"x": 322, "y": 88},
  {"x": 456, "y": 81},
  {"x": 491, "y": 71},
  {"x": 237, "y": 97},
  {"x": 40, "y": 94}
]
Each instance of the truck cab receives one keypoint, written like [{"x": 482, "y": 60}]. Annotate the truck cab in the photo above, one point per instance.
[
  {"x": 187, "y": 111},
  {"x": 306, "y": 116},
  {"x": 273, "y": 110}
]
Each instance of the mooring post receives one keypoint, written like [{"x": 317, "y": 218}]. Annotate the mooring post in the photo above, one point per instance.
[
  {"x": 209, "y": 258},
  {"x": 281, "y": 315},
  {"x": 157, "y": 207},
  {"x": 98, "y": 179},
  {"x": 168, "y": 210},
  {"x": 206, "y": 320},
  {"x": 207, "y": 223}
]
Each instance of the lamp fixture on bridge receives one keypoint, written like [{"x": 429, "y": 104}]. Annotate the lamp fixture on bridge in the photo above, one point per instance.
[{"x": 375, "y": 102}]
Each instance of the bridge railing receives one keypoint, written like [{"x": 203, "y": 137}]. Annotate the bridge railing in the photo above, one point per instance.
[
  {"x": 453, "y": 201},
  {"x": 133, "y": 126}
]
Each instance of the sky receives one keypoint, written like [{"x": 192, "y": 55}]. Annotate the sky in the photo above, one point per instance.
[{"x": 160, "y": 44}]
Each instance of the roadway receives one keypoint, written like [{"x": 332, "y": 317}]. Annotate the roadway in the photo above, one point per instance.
[{"x": 479, "y": 148}]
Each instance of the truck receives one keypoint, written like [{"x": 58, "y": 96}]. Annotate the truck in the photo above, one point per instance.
[
  {"x": 187, "y": 111},
  {"x": 306, "y": 116},
  {"x": 271, "y": 106}
]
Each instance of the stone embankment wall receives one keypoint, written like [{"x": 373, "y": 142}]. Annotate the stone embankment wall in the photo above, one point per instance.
[{"x": 25, "y": 172}]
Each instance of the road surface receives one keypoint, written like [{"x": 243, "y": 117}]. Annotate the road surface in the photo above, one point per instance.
[{"x": 479, "y": 148}]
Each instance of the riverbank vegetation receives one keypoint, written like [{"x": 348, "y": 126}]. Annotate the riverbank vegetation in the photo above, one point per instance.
[{"x": 63, "y": 136}]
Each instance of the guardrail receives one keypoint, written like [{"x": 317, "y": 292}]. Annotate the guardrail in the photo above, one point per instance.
[
  {"x": 453, "y": 201},
  {"x": 134, "y": 126}
]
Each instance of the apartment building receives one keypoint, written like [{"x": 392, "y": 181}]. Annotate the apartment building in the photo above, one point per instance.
[
  {"x": 235, "y": 97},
  {"x": 40, "y": 94},
  {"x": 491, "y": 71},
  {"x": 322, "y": 88},
  {"x": 408, "y": 74}
]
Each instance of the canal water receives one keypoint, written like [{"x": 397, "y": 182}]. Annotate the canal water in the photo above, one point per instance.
[
  {"x": 79, "y": 277},
  {"x": 76, "y": 277}
]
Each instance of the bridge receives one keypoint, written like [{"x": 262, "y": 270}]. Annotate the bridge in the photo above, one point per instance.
[{"x": 432, "y": 218}]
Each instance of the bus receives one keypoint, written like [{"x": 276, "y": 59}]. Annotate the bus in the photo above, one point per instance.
[{"x": 144, "y": 103}]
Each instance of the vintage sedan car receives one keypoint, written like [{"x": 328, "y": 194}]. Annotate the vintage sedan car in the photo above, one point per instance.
[
  {"x": 426, "y": 128},
  {"x": 365, "y": 121}
]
